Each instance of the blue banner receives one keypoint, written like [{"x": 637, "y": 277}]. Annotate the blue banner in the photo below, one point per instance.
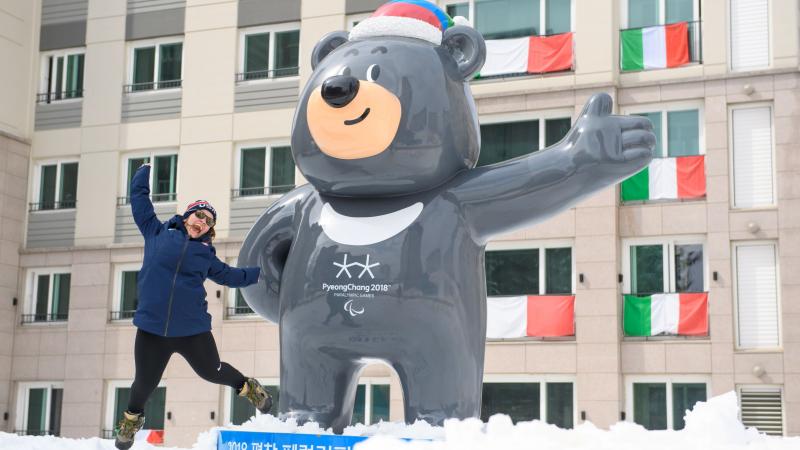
[{"x": 255, "y": 440}]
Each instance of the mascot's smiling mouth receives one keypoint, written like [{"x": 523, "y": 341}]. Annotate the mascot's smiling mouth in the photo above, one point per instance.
[
  {"x": 343, "y": 132},
  {"x": 358, "y": 119}
]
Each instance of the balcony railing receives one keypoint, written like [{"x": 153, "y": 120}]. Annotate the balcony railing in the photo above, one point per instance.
[
  {"x": 49, "y": 206},
  {"x": 33, "y": 318},
  {"x": 667, "y": 179},
  {"x": 530, "y": 55},
  {"x": 156, "y": 198},
  {"x": 151, "y": 86},
  {"x": 630, "y": 39},
  {"x": 49, "y": 97},
  {"x": 267, "y": 74},
  {"x": 665, "y": 316},
  {"x": 238, "y": 311},
  {"x": 37, "y": 432},
  {"x": 121, "y": 315},
  {"x": 256, "y": 191}
]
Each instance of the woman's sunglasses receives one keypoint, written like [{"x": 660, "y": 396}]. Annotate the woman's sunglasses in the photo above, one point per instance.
[{"x": 203, "y": 216}]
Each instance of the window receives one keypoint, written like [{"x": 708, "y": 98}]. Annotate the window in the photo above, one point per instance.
[
  {"x": 762, "y": 407},
  {"x": 163, "y": 176},
  {"x": 117, "y": 403},
  {"x": 372, "y": 402},
  {"x": 530, "y": 271},
  {"x": 552, "y": 401},
  {"x": 48, "y": 300},
  {"x": 753, "y": 166},
  {"x": 265, "y": 170},
  {"x": 647, "y": 13},
  {"x": 156, "y": 65},
  {"x": 678, "y": 129},
  {"x": 271, "y": 52},
  {"x": 503, "y": 141},
  {"x": 750, "y": 35},
  {"x": 61, "y": 75},
  {"x": 503, "y": 19},
  {"x": 658, "y": 266},
  {"x": 661, "y": 404},
  {"x": 237, "y": 306},
  {"x": 39, "y": 409},
  {"x": 56, "y": 184},
  {"x": 126, "y": 296},
  {"x": 757, "y": 310}
]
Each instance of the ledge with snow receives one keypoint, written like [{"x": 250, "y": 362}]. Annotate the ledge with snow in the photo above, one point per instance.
[{"x": 711, "y": 425}]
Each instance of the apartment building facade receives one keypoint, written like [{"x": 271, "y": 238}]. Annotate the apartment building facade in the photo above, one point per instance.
[{"x": 675, "y": 286}]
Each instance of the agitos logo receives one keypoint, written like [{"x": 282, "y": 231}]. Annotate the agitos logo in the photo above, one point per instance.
[{"x": 344, "y": 267}]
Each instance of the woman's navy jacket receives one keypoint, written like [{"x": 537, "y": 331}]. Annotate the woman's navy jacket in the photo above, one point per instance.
[{"x": 172, "y": 299}]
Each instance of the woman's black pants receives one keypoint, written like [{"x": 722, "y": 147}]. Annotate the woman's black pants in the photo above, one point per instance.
[{"x": 152, "y": 353}]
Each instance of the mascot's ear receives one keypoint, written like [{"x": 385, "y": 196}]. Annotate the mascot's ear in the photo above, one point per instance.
[
  {"x": 467, "y": 47},
  {"x": 326, "y": 45}
]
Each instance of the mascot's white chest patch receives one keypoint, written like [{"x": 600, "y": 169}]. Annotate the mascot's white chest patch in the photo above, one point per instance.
[{"x": 366, "y": 230}]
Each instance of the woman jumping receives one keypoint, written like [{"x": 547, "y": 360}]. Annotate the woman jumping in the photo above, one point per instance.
[{"x": 172, "y": 315}]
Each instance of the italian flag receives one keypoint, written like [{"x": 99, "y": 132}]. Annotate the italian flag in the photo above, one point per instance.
[
  {"x": 655, "y": 47},
  {"x": 676, "y": 314},
  {"x": 667, "y": 178},
  {"x": 150, "y": 436},
  {"x": 530, "y": 316},
  {"x": 532, "y": 54}
]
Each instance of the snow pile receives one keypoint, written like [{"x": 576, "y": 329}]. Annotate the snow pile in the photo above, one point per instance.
[{"x": 712, "y": 425}]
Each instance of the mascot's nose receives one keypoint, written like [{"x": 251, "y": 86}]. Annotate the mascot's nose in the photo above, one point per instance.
[{"x": 339, "y": 90}]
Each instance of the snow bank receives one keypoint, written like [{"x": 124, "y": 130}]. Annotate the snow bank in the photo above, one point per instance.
[{"x": 712, "y": 425}]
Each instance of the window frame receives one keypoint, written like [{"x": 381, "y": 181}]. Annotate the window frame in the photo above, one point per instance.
[
  {"x": 116, "y": 298},
  {"x": 735, "y": 283},
  {"x": 662, "y": 13},
  {"x": 227, "y": 401},
  {"x": 157, "y": 43},
  {"x": 272, "y": 30},
  {"x": 732, "y": 167},
  {"x": 664, "y": 109},
  {"x": 237, "y": 167},
  {"x": 36, "y": 187},
  {"x": 669, "y": 265},
  {"x": 498, "y": 378},
  {"x": 542, "y": 13},
  {"x": 111, "y": 398},
  {"x": 47, "y": 85},
  {"x": 541, "y": 246},
  {"x": 525, "y": 116},
  {"x": 230, "y": 300},
  {"x": 152, "y": 154},
  {"x": 31, "y": 286},
  {"x": 669, "y": 380},
  {"x": 23, "y": 400}
]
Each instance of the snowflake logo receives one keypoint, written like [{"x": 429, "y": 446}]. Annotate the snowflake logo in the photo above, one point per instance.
[{"x": 366, "y": 268}]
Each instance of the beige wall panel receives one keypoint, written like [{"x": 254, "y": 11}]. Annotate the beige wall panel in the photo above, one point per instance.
[
  {"x": 504, "y": 358},
  {"x": 92, "y": 228},
  {"x": 206, "y": 15},
  {"x": 643, "y": 358},
  {"x": 18, "y": 49},
  {"x": 199, "y": 130},
  {"x": 104, "y": 71},
  {"x": 270, "y": 124},
  {"x": 204, "y": 172},
  {"x": 784, "y": 33},
  {"x": 692, "y": 358},
  {"x": 772, "y": 363},
  {"x": 209, "y": 66},
  {"x": 106, "y": 8},
  {"x": 105, "y": 29},
  {"x": 56, "y": 143},
  {"x": 598, "y": 358},
  {"x": 104, "y": 138},
  {"x": 551, "y": 357},
  {"x": 154, "y": 134}
]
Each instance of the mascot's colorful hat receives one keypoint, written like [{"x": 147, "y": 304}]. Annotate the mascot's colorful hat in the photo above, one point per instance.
[{"x": 407, "y": 18}]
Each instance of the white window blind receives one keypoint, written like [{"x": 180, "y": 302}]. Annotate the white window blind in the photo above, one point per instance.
[
  {"x": 749, "y": 34},
  {"x": 752, "y": 157},
  {"x": 762, "y": 408},
  {"x": 757, "y": 295}
]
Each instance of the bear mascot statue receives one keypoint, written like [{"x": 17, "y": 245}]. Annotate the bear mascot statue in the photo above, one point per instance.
[{"x": 380, "y": 257}]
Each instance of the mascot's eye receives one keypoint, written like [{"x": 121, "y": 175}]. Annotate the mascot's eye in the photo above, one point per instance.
[
  {"x": 344, "y": 71},
  {"x": 373, "y": 72}
]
